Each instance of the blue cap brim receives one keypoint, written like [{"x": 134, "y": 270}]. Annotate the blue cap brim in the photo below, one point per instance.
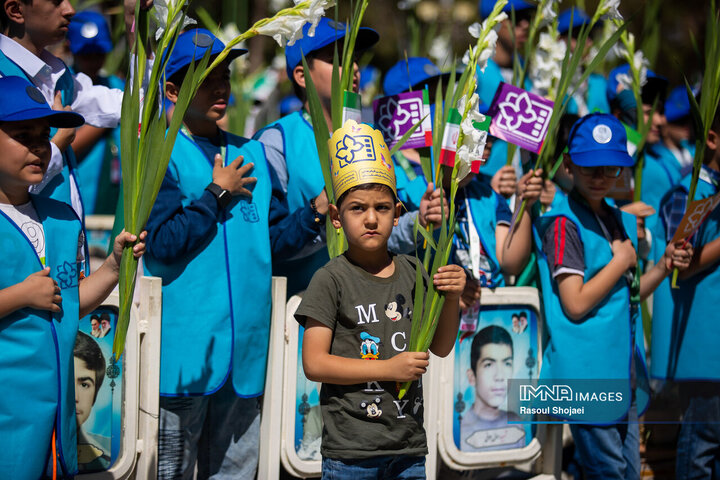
[
  {"x": 612, "y": 158},
  {"x": 55, "y": 118}
]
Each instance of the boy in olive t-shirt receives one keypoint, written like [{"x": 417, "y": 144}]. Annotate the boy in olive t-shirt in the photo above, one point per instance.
[{"x": 357, "y": 315}]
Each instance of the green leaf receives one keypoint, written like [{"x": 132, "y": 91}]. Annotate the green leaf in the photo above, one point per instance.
[
  {"x": 428, "y": 237},
  {"x": 403, "y": 140}
]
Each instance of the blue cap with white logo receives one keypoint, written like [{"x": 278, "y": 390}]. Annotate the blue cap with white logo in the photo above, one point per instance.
[
  {"x": 414, "y": 73},
  {"x": 88, "y": 32},
  {"x": 599, "y": 140},
  {"x": 23, "y": 101},
  {"x": 574, "y": 14},
  {"x": 326, "y": 32},
  {"x": 191, "y": 46},
  {"x": 486, "y": 7}
]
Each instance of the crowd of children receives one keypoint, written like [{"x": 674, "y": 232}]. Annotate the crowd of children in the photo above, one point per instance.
[{"x": 233, "y": 211}]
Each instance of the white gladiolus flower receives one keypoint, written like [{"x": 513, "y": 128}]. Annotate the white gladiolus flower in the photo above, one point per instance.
[
  {"x": 228, "y": 32},
  {"x": 546, "y": 67},
  {"x": 609, "y": 9},
  {"x": 287, "y": 29},
  {"x": 548, "y": 11},
  {"x": 162, "y": 16},
  {"x": 463, "y": 162}
]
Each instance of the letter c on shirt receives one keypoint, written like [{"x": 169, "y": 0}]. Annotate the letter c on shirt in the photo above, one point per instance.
[{"x": 394, "y": 345}]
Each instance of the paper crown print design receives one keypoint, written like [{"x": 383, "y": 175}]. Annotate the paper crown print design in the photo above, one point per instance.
[{"x": 359, "y": 155}]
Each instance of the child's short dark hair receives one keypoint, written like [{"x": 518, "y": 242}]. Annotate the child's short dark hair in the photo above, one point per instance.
[
  {"x": 491, "y": 334},
  {"x": 366, "y": 186},
  {"x": 87, "y": 350}
]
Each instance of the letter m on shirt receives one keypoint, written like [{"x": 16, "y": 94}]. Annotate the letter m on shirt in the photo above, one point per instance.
[{"x": 368, "y": 316}]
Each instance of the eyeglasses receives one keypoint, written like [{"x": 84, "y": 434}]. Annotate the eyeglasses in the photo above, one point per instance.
[{"x": 607, "y": 171}]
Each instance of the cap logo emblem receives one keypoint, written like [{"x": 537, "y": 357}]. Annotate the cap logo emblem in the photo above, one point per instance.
[
  {"x": 430, "y": 70},
  {"x": 89, "y": 30},
  {"x": 34, "y": 94},
  {"x": 336, "y": 25},
  {"x": 602, "y": 134},
  {"x": 202, "y": 40}
]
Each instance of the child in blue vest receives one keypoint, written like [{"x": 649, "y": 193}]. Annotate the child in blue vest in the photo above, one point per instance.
[
  {"x": 29, "y": 28},
  {"x": 212, "y": 231},
  {"x": 354, "y": 346},
  {"x": 42, "y": 293},
  {"x": 685, "y": 334},
  {"x": 587, "y": 269}
]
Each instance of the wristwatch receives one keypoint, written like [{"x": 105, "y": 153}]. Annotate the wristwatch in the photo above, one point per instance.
[{"x": 222, "y": 196}]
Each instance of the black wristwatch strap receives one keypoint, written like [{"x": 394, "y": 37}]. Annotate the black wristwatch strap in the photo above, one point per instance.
[{"x": 222, "y": 196}]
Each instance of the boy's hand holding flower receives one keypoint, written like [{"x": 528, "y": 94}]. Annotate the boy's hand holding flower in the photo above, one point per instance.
[
  {"x": 530, "y": 186},
  {"x": 450, "y": 280},
  {"x": 504, "y": 181},
  {"x": 678, "y": 256},
  {"x": 123, "y": 240},
  {"x": 432, "y": 205}
]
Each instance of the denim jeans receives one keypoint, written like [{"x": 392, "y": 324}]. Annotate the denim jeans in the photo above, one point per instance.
[
  {"x": 609, "y": 452},
  {"x": 698, "y": 449},
  {"x": 400, "y": 467},
  {"x": 221, "y": 432}
]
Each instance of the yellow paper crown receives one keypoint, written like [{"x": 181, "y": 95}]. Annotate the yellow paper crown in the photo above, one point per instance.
[{"x": 359, "y": 155}]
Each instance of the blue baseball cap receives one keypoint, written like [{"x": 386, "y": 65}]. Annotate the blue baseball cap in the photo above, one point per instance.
[
  {"x": 326, "y": 32},
  {"x": 677, "y": 105},
  {"x": 579, "y": 17},
  {"x": 191, "y": 46},
  {"x": 88, "y": 32},
  {"x": 599, "y": 140},
  {"x": 23, "y": 101},
  {"x": 656, "y": 86},
  {"x": 414, "y": 73},
  {"x": 486, "y": 7}
]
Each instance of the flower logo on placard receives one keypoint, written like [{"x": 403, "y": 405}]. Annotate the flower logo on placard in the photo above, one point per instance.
[
  {"x": 516, "y": 110},
  {"x": 346, "y": 152}
]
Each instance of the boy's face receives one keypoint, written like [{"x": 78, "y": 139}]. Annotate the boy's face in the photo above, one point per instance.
[
  {"x": 25, "y": 148},
  {"x": 46, "y": 21},
  {"x": 592, "y": 183},
  {"x": 321, "y": 68},
  {"x": 492, "y": 371},
  {"x": 84, "y": 391},
  {"x": 211, "y": 100},
  {"x": 657, "y": 125},
  {"x": 367, "y": 217}
]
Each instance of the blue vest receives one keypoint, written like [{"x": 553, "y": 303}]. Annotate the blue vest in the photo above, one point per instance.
[
  {"x": 483, "y": 202},
  {"x": 216, "y": 300},
  {"x": 603, "y": 344},
  {"x": 37, "y": 390},
  {"x": 305, "y": 181},
  {"x": 659, "y": 177},
  {"x": 685, "y": 336},
  {"x": 91, "y": 165}
]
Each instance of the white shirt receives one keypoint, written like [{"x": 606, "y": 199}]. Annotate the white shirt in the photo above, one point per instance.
[{"x": 99, "y": 105}]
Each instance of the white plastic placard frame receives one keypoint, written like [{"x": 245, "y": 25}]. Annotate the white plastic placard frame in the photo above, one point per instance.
[
  {"x": 271, "y": 419},
  {"x": 288, "y": 456},
  {"x": 141, "y": 383},
  {"x": 450, "y": 454}
]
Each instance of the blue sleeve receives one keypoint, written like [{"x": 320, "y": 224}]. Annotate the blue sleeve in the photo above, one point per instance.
[
  {"x": 402, "y": 239},
  {"x": 175, "y": 230},
  {"x": 503, "y": 214},
  {"x": 289, "y": 232}
]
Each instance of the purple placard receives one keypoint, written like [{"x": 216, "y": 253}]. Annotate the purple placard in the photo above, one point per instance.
[
  {"x": 520, "y": 117},
  {"x": 396, "y": 114}
]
